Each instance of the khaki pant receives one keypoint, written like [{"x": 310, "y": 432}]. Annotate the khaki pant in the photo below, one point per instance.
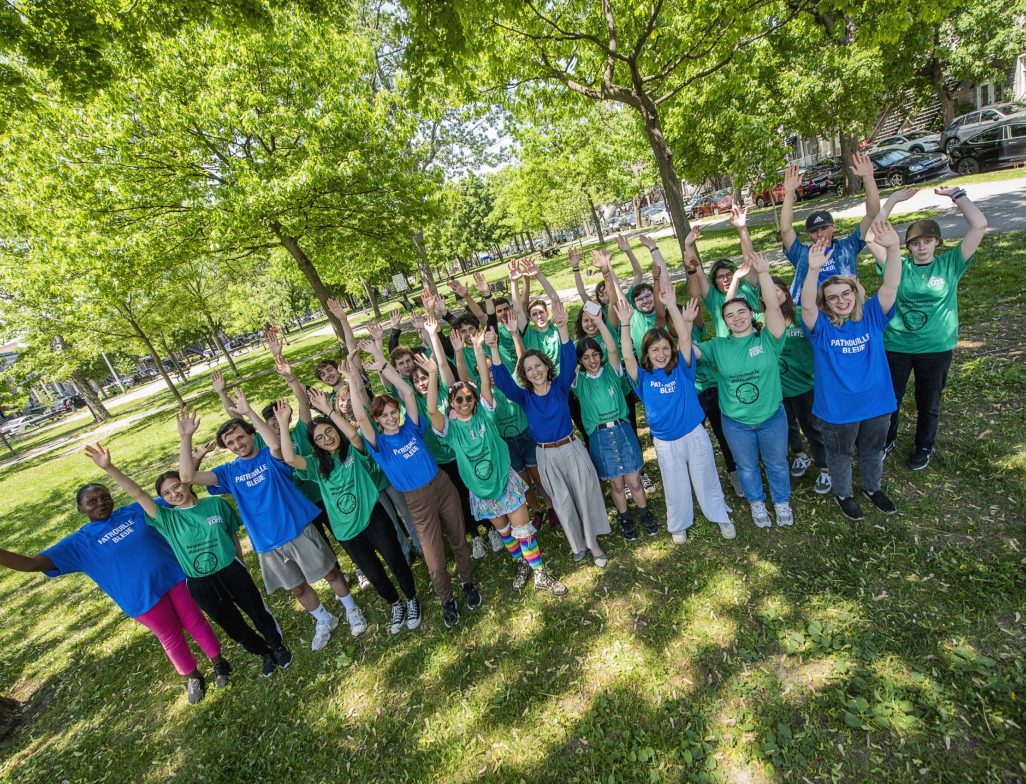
[
  {"x": 569, "y": 477},
  {"x": 433, "y": 507}
]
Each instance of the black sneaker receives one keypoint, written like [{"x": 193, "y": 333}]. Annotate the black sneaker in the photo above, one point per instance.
[
  {"x": 647, "y": 520},
  {"x": 221, "y": 672},
  {"x": 412, "y": 613},
  {"x": 282, "y": 656},
  {"x": 269, "y": 665},
  {"x": 881, "y": 501},
  {"x": 630, "y": 533},
  {"x": 398, "y": 618},
  {"x": 919, "y": 459},
  {"x": 195, "y": 688},
  {"x": 849, "y": 508},
  {"x": 471, "y": 596},
  {"x": 450, "y": 614}
]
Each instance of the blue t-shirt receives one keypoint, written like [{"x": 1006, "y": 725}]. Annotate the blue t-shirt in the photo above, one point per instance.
[
  {"x": 852, "y": 377},
  {"x": 548, "y": 415},
  {"x": 272, "y": 508},
  {"x": 404, "y": 456},
  {"x": 841, "y": 262},
  {"x": 129, "y": 561},
  {"x": 670, "y": 400}
]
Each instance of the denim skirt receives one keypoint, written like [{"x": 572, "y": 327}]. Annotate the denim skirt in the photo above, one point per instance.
[{"x": 615, "y": 450}]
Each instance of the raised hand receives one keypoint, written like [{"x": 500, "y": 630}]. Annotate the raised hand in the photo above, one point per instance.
[
  {"x": 738, "y": 216},
  {"x": 283, "y": 368},
  {"x": 456, "y": 339},
  {"x": 440, "y": 307},
  {"x": 283, "y": 413},
  {"x": 885, "y": 235},
  {"x": 491, "y": 338},
  {"x": 657, "y": 274},
  {"x": 514, "y": 270},
  {"x": 202, "y": 451},
  {"x": 943, "y": 191},
  {"x": 273, "y": 343},
  {"x": 375, "y": 330},
  {"x": 457, "y": 288},
  {"x": 528, "y": 267},
  {"x": 818, "y": 256},
  {"x": 575, "y": 257},
  {"x": 335, "y": 309},
  {"x": 318, "y": 399},
  {"x": 218, "y": 382},
  {"x": 904, "y": 194},
  {"x": 757, "y": 262},
  {"x": 484, "y": 288},
  {"x": 559, "y": 316},
  {"x": 478, "y": 339},
  {"x": 601, "y": 259},
  {"x": 509, "y": 321},
  {"x": 667, "y": 295},
  {"x": 792, "y": 178},
  {"x": 187, "y": 421},
  {"x": 861, "y": 165},
  {"x": 396, "y": 319},
  {"x": 622, "y": 243},
  {"x": 693, "y": 236},
  {"x": 647, "y": 241},
  {"x": 690, "y": 263},
  {"x": 690, "y": 311},
  {"x": 426, "y": 363},
  {"x": 417, "y": 319},
  {"x": 241, "y": 404},
  {"x": 99, "y": 455},
  {"x": 431, "y": 324},
  {"x": 367, "y": 345},
  {"x": 624, "y": 310}
]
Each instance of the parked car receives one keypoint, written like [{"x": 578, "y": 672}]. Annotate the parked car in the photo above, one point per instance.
[
  {"x": 17, "y": 425},
  {"x": 628, "y": 221},
  {"x": 768, "y": 194},
  {"x": 692, "y": 204},
  {"x": 968, "y": 125},
  {"x": 68, "y": 403},
  {"x": 913, "y": 141},
  {"x": 1001, "y": 145},
  {"x": 721, "y": 201},
  {"x": 826, "y": 176},
  {"x": 897, "y": 167},
  {"x": 656, "y": 214}
]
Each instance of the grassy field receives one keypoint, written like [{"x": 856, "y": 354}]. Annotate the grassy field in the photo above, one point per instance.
[{"x": 887, "y": 651}]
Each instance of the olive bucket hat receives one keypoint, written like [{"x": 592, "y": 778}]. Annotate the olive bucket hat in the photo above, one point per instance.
[{"x": 923, "y": 228}]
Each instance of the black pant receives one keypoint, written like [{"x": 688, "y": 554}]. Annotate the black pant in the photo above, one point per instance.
[
  {"x": 452, "y": 470},
  {"x": 379, "y": 538},
  {"x": 710, "y": 400},
  {"x": 633, "y": 401},
  {"x": 578, "y": 419},
  {"x": 799, "y": 413},
  {"x": 931, "y": 377},
  {"x": 222, "y": 594}
]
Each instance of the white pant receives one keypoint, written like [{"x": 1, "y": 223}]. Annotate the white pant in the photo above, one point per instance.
[
  {"x": 569, "y": 477},
  {"x": 685, "y": 463}
]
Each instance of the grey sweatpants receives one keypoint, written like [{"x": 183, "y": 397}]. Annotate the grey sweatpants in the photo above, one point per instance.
[
  {"x": 840, "y": 441},
  {"x": 569, "y": 477}
]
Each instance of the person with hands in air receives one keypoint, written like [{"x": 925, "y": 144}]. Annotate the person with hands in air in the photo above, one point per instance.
[
  {"x": 853, "y": 394},
  {"x": 291, "y": 552},
  {"x": 359, "y": 521},
  {"x": 134, "y": 565},
  {"x": 566, "y": 470},
  {"x": 397, "y": 445},
  {"x": 203, "y": 535},
  {"x": 497, "y": 493},
  {"x": 921, "y": 337},
  {"x": 541, "y": 334},
  {"x": 714, "y": 289},
  {"x": 747, "y": 368},
  {"x": 842, "y": 253}
]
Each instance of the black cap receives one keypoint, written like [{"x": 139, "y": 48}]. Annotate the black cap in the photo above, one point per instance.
[{"x": 818, "y": 219}]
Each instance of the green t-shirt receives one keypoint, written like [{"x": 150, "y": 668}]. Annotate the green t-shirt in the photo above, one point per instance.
[
  {"x": 481, "y": 454},
  {"x": 640, "y": 324},
  {"x": 796, "y": 370},
  {"x": 714, "y": 302},
  {"x": 201, "y": 536},
  {"x": 471, "y": 361},
  {"x": 301, "y": 446},
  {"x": 546, "y": 342},
  {"x": 440, "y": 451},
  {"x": 349, "y": 492},
  {"x": 601, "y": 397},
  {"x": 926, "y": 311},
  {"x": 510, "y": 418},
  {"x": 748, "y": 373},
  {"x": 508, "y": 350},
  {"x": 705, "y": 372}
]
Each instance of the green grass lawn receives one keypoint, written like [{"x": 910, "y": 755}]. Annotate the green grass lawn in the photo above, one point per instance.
[{"x": 886, "y": 651}]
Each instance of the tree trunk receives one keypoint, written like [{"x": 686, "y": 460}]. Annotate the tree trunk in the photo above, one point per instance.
[
  {"x": 6, "y": 443},
  {"x": 637, "y": 210},
  {"x": 498, "y": 252},
  {"x": 216, "y": 337},
  {"x": 179, "y": 371},
  {"x": 427, "y": 277},
  {"x": 530, "y": 241},
  {"x": 153, "y": 353},
  {"x": 85, "y": 389},
  {"x": 548, "y": 233},
  {"x": 373, "y": 298},
  {"x": 667, "y": 172},
  {"x": 849, "y": 146},
  {"x": 595, "y": 217},
  {"x": 291, "y": 244}
]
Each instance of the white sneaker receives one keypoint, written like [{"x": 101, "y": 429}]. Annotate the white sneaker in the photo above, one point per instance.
[
  {"x": 784, "y": 514},
  {"x": 477, "y": 548},
  {"x": 823, "y": 483},
  {"x": 679, "y": 537},
  {"x": 362, "y": 581},
  {"x": 800, "y": 465},
  {"x": 357, "y": 623},
  {"x": 322, "y": 633},
  {"x": 760, "y": 516},
  {"x": 495, "y": 540},
  {"x": 735, "y": 482},
  {"x": 727, "y": 530}
]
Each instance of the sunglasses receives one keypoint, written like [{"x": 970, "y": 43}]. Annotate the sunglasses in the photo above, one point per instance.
[{"x": 463, "y": 399}]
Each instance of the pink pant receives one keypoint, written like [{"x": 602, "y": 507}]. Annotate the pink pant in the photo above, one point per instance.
[{"x": 175, "y": 612}]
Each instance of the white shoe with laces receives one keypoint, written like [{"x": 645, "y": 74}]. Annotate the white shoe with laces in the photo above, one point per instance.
[
  {"x": 477, "y": 548},
  {"x": 760, "y": 515},
  {"x": 495, "y": 540},
  {"x": 785, "y": 516},
  {"x": 800, "y": 465},
  {"x": 322, "y": 633},
  {"x": 727, "y": 530},
  {"x": 357, "y": 623}
]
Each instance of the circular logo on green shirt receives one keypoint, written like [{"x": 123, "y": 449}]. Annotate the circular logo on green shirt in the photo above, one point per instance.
[
  {"x": 204, "y": 563},
  {"x": 346, "y": 503},
  {"x": 483, "y": 469},
  {"x": 783, "y": 366},
  {"x": 747, "y": 393},
  {"x": 914, "y": 320}
]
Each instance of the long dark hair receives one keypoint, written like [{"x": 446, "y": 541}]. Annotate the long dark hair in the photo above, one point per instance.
[
  {"x": 742, "y": 301},
  {"x": 326, "y": 459},
  {"x": 787, "y": 306}
]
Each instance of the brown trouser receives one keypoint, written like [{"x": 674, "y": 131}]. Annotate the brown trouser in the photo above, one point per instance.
[{"x": 432, "y": 507}]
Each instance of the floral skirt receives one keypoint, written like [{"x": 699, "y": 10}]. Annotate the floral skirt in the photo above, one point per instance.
[{"x": 511, "y": 500}]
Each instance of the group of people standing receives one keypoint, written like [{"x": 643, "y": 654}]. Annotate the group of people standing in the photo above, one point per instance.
[{"x": 506, "y": 423}]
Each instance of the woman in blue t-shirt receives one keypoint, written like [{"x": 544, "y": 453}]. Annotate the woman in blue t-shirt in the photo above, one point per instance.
[
  {"x": 853, "y": 395},
  {"x": 152, "y": 592}
]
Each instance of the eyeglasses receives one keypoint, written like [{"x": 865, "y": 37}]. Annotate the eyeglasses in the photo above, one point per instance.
[
  {"x": 833, "y": 299},
  {"x": 322, "y": 438},
  {"x": 461, "y": 399}
]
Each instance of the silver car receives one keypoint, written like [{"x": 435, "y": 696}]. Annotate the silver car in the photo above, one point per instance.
[
  {"x": 961, "y": 128},
  {"x": 912, "y": 141}
]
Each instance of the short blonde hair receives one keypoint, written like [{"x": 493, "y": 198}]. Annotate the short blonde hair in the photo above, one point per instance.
[{"x": 845, "y": 280}]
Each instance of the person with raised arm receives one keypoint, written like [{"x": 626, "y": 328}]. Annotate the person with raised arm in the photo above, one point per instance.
[
  {"x": 397, "y": 445},
  {"x": 203, "y": 535},
  {"x": 713, "y": 288},
  {"x": 747, "y": 368},
  {"x": 921, "y": 338},
  {"x": 541, "y": 334},
  {"x": 854, "y": 397},
  {"x": 842, "y": 253},
  {"x": 566, "y": 471},
  {"x": 136, "y": 567},
  {"x": 291, "y": 552},
  {"x": 357, "y": 518}
]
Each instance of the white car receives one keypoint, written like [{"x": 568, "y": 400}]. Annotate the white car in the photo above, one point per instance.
[
  {"x": 16, "y": 425},
  {"x": 913, "y": 141}
]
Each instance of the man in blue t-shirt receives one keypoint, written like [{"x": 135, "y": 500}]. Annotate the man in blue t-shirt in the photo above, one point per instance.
[
  {"x": 842, "y": 253},
  {"x": 277, "y": 516}
]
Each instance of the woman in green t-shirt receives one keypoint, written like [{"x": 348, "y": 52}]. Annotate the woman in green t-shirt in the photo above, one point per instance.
[
  {"x": 339, "y": 465},
  {"x": 497, "y": 492},
  {"x": 746, "y": 363}
]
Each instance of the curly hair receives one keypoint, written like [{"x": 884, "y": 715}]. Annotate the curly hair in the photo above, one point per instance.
[{"x": 522, "y": 376}]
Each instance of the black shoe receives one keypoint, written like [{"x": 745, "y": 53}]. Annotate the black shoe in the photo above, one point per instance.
[
  {"x": 881, "y": 501},
  {"x": 195, "y": 688},
  {"x": 221, "y": 672},
  {"x": 849, "y": 508},
  {"x": 450, "y": 614},
  {"x": 414, "y": 556},
  {"x": 282, "y": 656},
  {"x": 630, "y": 533},
  {"x": 647, "y": 520},
  {"x": 471, "y": 596},
  {"x": 269, "y": 665},
  {"x": 919, "y": 459}
]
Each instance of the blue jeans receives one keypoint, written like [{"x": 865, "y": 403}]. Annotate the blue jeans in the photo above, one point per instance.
[{"x": 768, "y": 441}]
